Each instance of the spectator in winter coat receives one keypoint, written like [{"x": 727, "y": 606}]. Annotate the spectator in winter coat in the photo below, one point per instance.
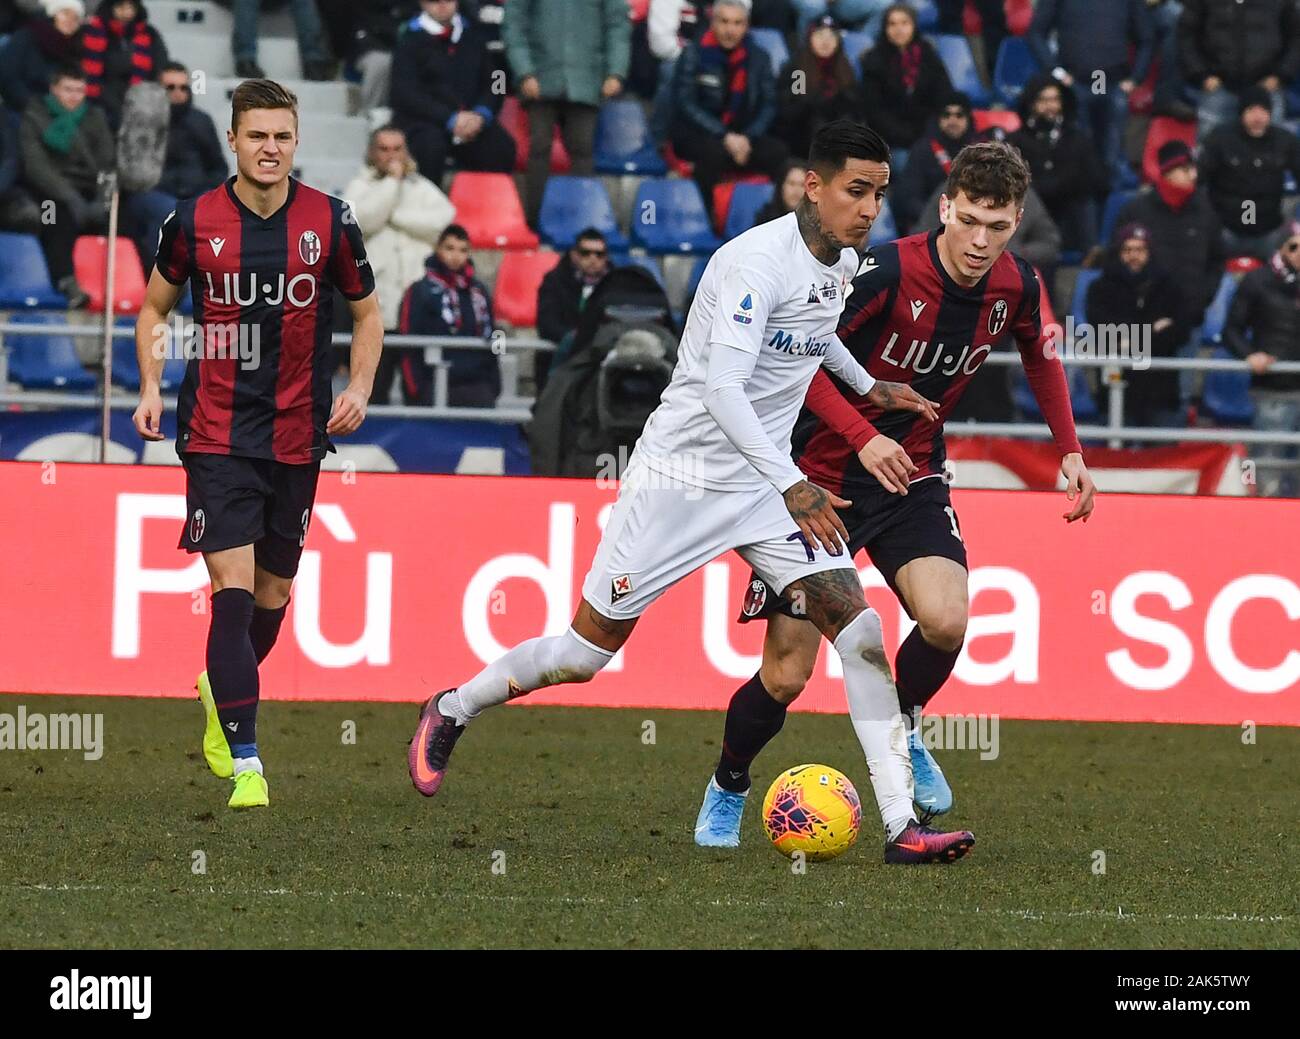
[
  {"x": 816, "y": 86},
  {"x": 904, "y": 82},
  {"x": 1263, "y": 327},
  {"x": 37, "y": 50},
  {"x": 930, "y": 158},
  {"x": 1244, "y": 166},
  {"x": 1068, "y": 175},
  {"x": 119, "y": 48},
  {"x": 1133, "y": 293},
  {"x": 565, "y": 291},
  {"x": 401, "y": 215},
  {"x": 450, "y": 301}
]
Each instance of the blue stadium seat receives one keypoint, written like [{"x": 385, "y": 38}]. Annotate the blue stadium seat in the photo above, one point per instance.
[
  {"x": 697, "y": 272},
  {"x": 927, "y": 14},
  {"x": 669, "y": 217},
  {"x": 570, "y": 204},
  {"x": 1216, "y": 314},
  {"x": 624, "y": 143},
  {"x": 645, "y": 262},
  {"x": 126, "y": 372},
  {"x": 885, "y": 228},
  {"x": 1226, "y": 395},
  {"x": 746, "y": 200},
  {"x": 1079, "y": 301},
  {"x": 24, "y": 277},
  {"x": 772, "y": 41},
  {"x": 960, "y": 63},
  {"x": 1014, "y": 67},
  {"x": 1081, "y": 402},
  {"x": 856, "y": 44},
  {"x": 46, "y": 361},
  {"x": 1115, "y": 201}
]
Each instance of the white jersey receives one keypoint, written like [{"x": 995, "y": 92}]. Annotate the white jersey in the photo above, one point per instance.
[{"x": 766, "y": 294}]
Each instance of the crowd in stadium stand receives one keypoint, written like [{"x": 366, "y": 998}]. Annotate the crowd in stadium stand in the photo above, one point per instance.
[{"x": 1160, "y": 135}]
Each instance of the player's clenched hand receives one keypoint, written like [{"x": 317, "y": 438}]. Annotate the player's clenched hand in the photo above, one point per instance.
[
  {"x": 348, "y": 414},
  {"x": 898, "y": 396},
  {"x": 1079, "y": 487},
  {"x": 814, "y": 510},
  {"x": 148, "y": 415},
  {"x": 886, "y": 460}
]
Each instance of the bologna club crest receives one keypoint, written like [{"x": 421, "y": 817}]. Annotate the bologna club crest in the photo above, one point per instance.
[
  {"x": 198, "y": 523},
  {"x": 309, "y": 247},
  {"x": 755, "y": 599},
  {"x": 997, "y": 317}
]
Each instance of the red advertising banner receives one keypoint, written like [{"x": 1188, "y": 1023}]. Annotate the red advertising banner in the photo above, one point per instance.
[{"x": 1168, "y": 609}]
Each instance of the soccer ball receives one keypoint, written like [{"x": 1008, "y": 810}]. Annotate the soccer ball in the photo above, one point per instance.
[{"x": 812, "y": 809}]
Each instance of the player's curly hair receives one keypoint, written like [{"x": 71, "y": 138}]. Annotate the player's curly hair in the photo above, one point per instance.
[
  {"x": 992, "y": 172},
  {"x": 260, "y": 93}
]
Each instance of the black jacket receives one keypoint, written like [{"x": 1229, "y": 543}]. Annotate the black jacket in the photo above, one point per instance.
[
  {"x": 1237, "y": 168},
  {"x": 1240, "y": 41},
  {"x": 1093, "y": 34},
  {"x": 425, "y": 311},
  {"x": 1061, "y": 154},
  {"x": 1186, "y": 244},
  {"x": 27, "y": 60},
  {"x": 925, "y": 172},
  {"x": 559, "y": 301},
  {"x": 1265, "y": 316},
  {"x": 434, "y": 79},
  {"x": 898, "y": 115},
  {"x": 801, "y": 112},
  {"x": 700, "y": 96},
  {"x": 1121, "y": 298},
  {"x": 196, "y": 157}
]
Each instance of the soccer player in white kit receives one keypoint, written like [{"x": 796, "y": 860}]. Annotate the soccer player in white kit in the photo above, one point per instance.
[{"x": 712, "y": 472}]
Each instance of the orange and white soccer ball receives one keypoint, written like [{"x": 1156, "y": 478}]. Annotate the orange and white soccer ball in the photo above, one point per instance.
[{"x": 812, "y": 809}]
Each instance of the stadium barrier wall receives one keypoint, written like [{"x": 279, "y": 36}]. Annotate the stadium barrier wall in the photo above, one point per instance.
[{"x": 1161, "y": 608}]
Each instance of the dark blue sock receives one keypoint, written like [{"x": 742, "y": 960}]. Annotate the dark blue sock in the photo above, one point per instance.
[
  {"x": 753, "y": 719},
  {"x": 920, "y": 671},
  {"x": 232, "y": 666},
  {"x": 265, "y": 628}
]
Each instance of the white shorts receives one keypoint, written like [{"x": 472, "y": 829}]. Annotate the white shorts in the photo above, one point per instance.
[{"x": 661, "y": 531}]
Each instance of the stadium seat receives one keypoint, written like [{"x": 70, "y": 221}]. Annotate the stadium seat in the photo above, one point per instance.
[
  {"x": 927, "y": 14},
  {"x": 89, "y": 261},
  {"x": 1081, "y": 400},
  {"x": 1014, "y": 67},
  {"x": 885, "y": 228},
  {"x": 669, "y": 217},
  {"x": 985, "y": 118},
  {"x": 488, "y": 207},
  {"x": 126, "y": 372},
  {"x": 1019, "y": 15},
  {"x": 647, "y": 263},
  {"x": 515, "y": 121},
  {"x": 772, "y": 41},
  {"x": 1079, "y": 301},
  {"x": 571, "y": 203},
  {"x": 1115, "y": 202},
  {"x": 1161, "y": 130},
  {"x": 855, "y": 45},
  {"x": 697, "y": 272},
  {"x": 45, "y": 361},
  {"x": 518, "y": 279},
  {"x": 1226, "y": 395},
  {"x": 623, "y": 141},
  {"x": 1216, "y": 314},
  {"x": 24, "y": 277},
  {"x": 746, "y": 200},
  {"x": 960, "y": 62}
]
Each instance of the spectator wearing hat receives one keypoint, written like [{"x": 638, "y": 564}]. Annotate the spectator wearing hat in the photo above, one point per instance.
[
  {"x": 1227, "y": 46},
  {"x": 1263, "y": 327},
  {"x": 931, "y": 158},
  {"x": 816, "y": 86},
  {"x": 1133, "y": 293},
  {"x": 725, "y": 102},
  {"x": 1186, "y": 236},
  {"x": 1244, "y": 166},
  {"x": 47, "y": 42},
  {"x": 1104, "y": 50}
]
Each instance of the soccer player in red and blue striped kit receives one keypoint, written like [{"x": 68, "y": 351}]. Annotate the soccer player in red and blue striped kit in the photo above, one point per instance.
[
  {"x": 262, "y": 255},
  {"x": 924, "y": 310}
]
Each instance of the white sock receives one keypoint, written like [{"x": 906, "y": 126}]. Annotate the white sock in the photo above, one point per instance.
[
  {"x": 534, "y": 664},
  {"x": 244, "y": 764},
  {"x": 877, "y": 719}
]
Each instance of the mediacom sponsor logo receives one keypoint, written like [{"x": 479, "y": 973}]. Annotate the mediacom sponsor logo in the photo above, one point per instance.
[{"x": 1159, "y": 609}]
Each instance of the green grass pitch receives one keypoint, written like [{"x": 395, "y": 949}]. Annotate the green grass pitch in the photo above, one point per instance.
[{"x": 589, "y": 829}]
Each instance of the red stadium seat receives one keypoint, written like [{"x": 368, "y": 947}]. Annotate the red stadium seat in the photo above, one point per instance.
[
  {"x": 679, "y": 166},
  {"x": 518, "y": 279},
  {"x": 988, "y": 117},
  {"x": 488, "y": 207},
  {"x": 89, "y": 263},
  {"x": 515, "y": 120},
  {"x": 722, "y": 192},
  {"x": 1019, "y": 14},
  {"x": 1164, "y": 129}
]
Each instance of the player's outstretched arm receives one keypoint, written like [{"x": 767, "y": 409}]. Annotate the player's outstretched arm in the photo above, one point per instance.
[
  {"x": 152, "y": 342},
  {"x": 367, "y": 343}
]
